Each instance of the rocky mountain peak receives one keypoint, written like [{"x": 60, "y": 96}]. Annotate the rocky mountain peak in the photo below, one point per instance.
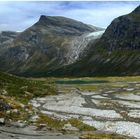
[
  {"x": 135, "y": 15},
  {"x": 137, "y": 10},
  {"x": 64, "y": 23},
  {"x": 57, "y": 20},
  {"x": 52, "y": 42},
  {"x": 42, "y": 17},
  {"x": 123, "y": 33}
]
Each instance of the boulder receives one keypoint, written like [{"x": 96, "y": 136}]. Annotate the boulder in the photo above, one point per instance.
[{"x": 69, "y": 127}]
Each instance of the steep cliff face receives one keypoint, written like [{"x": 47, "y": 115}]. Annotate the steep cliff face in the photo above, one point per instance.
[
  {"x": 119, "y": 47},
  {"x": 116, "y": 53},
  {"x": 123, "y": 32},
  {"x": 47, "y": 45},
  {"x": 6, "y": 38}
]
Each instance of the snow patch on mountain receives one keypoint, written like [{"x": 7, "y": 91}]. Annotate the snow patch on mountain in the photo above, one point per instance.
[{"x": 80, "y": 43}]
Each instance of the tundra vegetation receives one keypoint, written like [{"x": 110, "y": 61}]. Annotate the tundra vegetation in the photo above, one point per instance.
[{"x": 16, "y": 94}]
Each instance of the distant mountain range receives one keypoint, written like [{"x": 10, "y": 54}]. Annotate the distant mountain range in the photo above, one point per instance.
[{"x": 59, "y": 46}]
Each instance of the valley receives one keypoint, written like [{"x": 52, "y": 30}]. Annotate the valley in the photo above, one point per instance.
[
  {"x": 112, "y": 106},
  {"x": 85, "y": 108},
  {"x": 63, "y": 78}
]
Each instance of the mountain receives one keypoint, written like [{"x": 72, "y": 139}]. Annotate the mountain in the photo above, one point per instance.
[
  {"x": 117, "y": 52},
  {"x": 6, "y": 38},
  {"x": 50, "y": 43},
  {"x": 59, "y": 46}
]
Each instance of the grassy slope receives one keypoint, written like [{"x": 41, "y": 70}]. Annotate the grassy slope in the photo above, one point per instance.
[
  {"x": 95, "y": 83},
  {"x": 24, "y": 89},
  {"x": 16, "y": 93}
]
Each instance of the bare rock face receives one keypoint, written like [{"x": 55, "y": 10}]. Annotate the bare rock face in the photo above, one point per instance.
[
  {"x": 6, "y": 39},
  {"x": 119, "y": 47},
  {"x": 123, "y": 32},
  {"x": 7, "y": 36}
]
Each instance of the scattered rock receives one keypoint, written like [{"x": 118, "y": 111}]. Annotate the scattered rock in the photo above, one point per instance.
[
  {"x": 34, "y": 118},
  {"x": 22, "y": 105},
  {"x": 28, "y": 93},
  {"x": 32, "y": 127},
  {"x": 2, "y": 121},
  {"x": 15, "y": 111},
  {"x": 129, "y": 89},
  {"x": 35, "y": 104},
  {"x": 41, "y": 127},
  {"x": 8, "y": 112},
  {"x": 59, "y": 134},
  {"x": 124, "y": 113},
  {"x": 4, "y": 106},
  {"x": 69, "y": 127},
  {"x": 4, "y": 92},
  {"x": 12, "y": 135},
  {"x": 49, "y": 128},
  {"x": 44, "y": 129},
  {"x": 18, "y": 124}
]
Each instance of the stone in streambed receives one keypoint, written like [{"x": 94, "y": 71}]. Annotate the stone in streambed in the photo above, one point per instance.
[{"x": 69, "y": 127}]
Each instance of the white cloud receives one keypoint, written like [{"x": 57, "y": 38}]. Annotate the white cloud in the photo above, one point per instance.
[{"x": 21, "y": 15}]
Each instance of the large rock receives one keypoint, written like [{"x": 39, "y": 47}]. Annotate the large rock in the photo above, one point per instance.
[
  {"x": 4, "y": 106},
  {"x": 2, "y": 121},
  {"x": 69, "y": 127}
]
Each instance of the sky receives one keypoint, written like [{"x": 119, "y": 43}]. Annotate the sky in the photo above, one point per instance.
[{"x": 18, "y": 16}]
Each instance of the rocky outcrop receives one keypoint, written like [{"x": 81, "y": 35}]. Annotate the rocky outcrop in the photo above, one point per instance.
[{"x": 6, "y": 38}]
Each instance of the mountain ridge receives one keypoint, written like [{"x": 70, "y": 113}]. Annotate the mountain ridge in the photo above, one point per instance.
[
  {"x": 45, "y": 46},
  {"x": 54, "y": 47}
]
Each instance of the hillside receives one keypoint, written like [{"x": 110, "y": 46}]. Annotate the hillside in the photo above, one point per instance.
[
  {"x": 23, "y": 89},
  {"x": 116, "y": 53},
  {"x": 15, "y": 96},
  {"x": 48, "y": 44}
]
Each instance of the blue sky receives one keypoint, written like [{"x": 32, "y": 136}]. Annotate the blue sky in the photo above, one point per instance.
[{"x": 18, "y": 16}]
